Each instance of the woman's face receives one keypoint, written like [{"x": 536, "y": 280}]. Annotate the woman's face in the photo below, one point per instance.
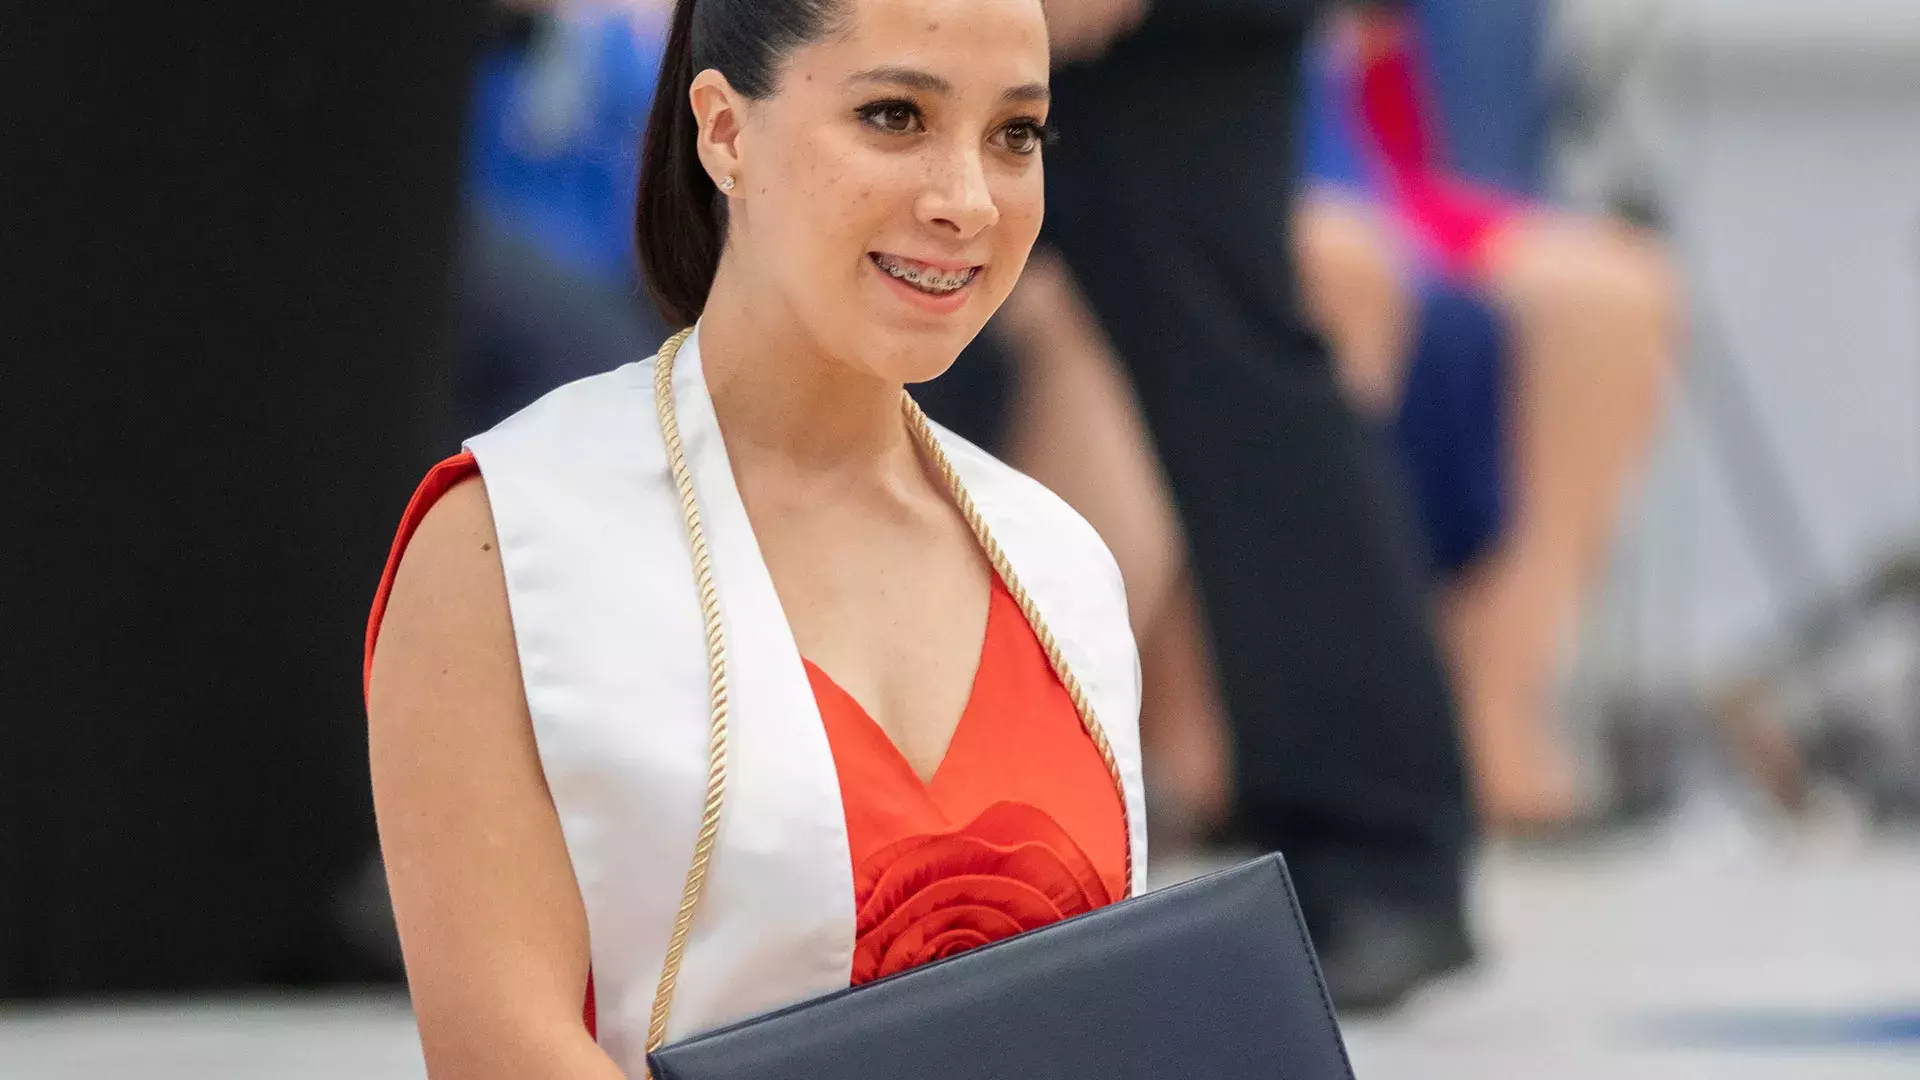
[{"x": 890, "y": 188}]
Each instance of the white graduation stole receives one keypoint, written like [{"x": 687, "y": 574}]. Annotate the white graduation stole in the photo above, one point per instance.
[{"x": 612, "y": 646}]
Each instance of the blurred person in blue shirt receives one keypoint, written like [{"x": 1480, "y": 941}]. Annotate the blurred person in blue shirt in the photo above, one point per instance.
[
  {"x": 560, "y": 103},
  {"x": 549, "y": 289}
]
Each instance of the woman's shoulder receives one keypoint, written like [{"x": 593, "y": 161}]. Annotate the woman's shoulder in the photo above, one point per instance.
[
  {"x": 540, "y": 489},
  {"x": 554, "y": 460},
  {"x": 449, "y": 505}
]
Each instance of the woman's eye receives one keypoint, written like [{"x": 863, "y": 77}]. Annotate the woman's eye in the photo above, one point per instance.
[
  {"x": 1023, "y": 136},
  {"x": 898, "y": 117}
]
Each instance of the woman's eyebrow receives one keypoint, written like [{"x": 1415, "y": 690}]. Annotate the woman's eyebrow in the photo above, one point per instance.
[
  {"x": 909, "y": 78},
  {"x": 927, "y": 82}
]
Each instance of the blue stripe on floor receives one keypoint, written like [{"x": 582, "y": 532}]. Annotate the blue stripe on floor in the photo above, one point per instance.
[{"x": 1784, "y": 1029}]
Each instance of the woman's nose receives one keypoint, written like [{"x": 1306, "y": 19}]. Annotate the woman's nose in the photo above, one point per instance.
[{"x": 958, "y": 197}]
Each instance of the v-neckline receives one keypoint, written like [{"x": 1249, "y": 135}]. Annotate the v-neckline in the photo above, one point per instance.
[{"x": 928, "y": 783}]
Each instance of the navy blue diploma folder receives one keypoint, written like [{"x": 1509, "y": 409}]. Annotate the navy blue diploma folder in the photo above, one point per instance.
[{"x": 1213, "y": 979}]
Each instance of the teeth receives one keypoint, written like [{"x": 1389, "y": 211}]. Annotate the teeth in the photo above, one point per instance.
[{"x": 928, "y": 280}]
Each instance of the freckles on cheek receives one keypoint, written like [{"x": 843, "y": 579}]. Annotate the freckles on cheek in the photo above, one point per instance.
[
  {"x": 846, "y": 198},
  {"x": 1021, "y": 213}
]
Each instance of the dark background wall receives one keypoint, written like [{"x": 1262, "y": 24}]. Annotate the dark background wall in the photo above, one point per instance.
[{"x": 224, "y": 365}]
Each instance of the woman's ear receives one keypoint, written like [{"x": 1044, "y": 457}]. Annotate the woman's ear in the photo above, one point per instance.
[{"x": 718, "y": 109}]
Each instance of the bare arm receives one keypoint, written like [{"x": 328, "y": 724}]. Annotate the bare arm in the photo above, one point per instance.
[{"x": 490, "y": 916}]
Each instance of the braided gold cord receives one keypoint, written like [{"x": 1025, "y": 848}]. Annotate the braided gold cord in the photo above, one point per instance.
[
  {"x": 716, "y": 694},
  {"x": 717, "y": 660}
]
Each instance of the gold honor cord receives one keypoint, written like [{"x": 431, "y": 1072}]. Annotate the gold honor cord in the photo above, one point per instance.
[{"x": 703, "y": 845}]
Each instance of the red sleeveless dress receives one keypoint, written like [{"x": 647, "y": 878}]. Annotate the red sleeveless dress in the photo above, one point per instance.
[{"x": 1019, "y": 826}]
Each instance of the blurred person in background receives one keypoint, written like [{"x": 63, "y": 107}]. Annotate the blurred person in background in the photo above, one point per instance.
[
  {"x": 1177, "y": 130},
  {"x": 548, "y": 287},
  {"x": 1515, "y": 352}
]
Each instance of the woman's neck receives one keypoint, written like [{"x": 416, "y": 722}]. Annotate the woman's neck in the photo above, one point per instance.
[{"x": 778, "y": 395}]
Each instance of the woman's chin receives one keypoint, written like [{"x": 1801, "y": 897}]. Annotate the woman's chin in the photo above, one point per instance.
[
  {"x": 919, "y": 351},
  {"x": 916, "y": 361},
  {"x": 914, "y": 370}
]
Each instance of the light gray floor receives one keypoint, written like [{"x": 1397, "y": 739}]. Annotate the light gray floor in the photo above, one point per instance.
[{"x": 1591, "y": 957}]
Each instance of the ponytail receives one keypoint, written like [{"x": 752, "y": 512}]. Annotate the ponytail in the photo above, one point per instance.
[{"x": 679, "y": 219}]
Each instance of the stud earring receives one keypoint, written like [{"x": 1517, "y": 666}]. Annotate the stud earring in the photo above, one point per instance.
[{"x": 726, "y": 183}]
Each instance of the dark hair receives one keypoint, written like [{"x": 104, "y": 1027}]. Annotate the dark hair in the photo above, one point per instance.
[{"x": 679, "y": 219}]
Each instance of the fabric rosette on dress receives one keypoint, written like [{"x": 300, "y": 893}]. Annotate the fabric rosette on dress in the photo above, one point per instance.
[{"x": 924, "y": 898}]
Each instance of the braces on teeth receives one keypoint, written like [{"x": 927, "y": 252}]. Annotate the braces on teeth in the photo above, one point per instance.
[{"x": 927, "y": 280}]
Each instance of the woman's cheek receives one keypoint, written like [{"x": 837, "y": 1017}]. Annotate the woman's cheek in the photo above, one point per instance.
[{"x": 1023, "y": 201}]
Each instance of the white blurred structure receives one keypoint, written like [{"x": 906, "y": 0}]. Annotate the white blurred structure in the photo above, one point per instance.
[{"x": 1781, "y": 140}]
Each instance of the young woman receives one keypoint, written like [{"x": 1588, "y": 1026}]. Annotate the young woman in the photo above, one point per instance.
[{"x": 724, "y": 680}]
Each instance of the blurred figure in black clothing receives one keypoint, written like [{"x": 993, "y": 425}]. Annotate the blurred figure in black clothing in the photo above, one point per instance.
[{"x": 1167, "y": 202}]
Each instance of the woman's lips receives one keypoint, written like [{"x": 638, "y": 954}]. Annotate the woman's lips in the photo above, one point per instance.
[{"x": 938, "y": 287}]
